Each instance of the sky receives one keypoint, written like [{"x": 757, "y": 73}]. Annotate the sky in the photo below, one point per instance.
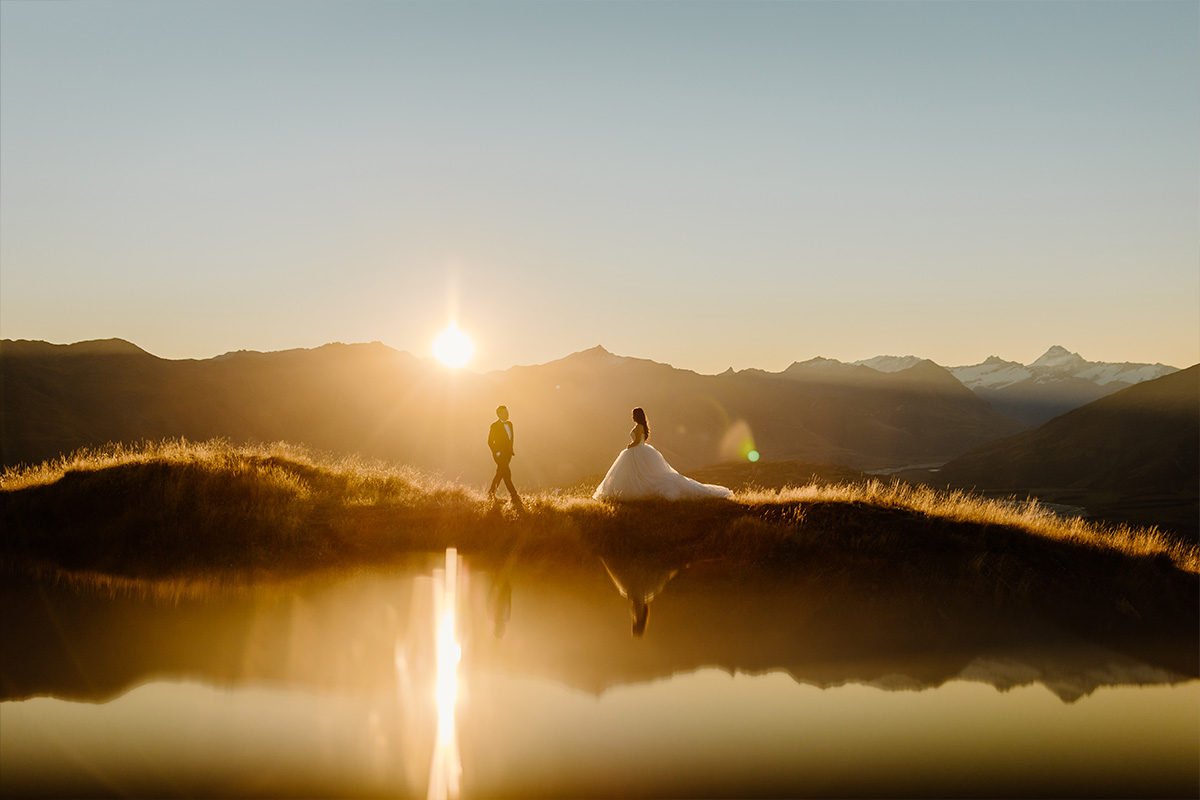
[{"x": 707, "y": 184}]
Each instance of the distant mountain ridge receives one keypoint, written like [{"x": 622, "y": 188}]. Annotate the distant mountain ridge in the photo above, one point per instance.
[
  {"x": 1131, "y": 456},
  {"x": 1052, "y": 385},
  {"x": 1145, "y": 437},
  {"x": 92, "y": 347},
  {"x": 571, "y": 414},
  {"x": 1057, "y": 362}
]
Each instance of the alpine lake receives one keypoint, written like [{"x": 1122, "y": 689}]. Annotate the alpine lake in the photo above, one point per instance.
[{"x": 446, "y": 677}]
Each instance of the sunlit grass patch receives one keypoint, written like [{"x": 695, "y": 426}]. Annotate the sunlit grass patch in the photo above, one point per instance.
[
  {"x": 1025, "y": 514},
  {"x": 177, "y": 507},
  {"x": 195, "y": 508}
]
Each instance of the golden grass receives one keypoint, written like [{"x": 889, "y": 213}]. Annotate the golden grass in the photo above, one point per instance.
[
  {"x": 959, "y": 506},
  {"x": 363, "y": 481},
  {"x": 176, "y": 506}
]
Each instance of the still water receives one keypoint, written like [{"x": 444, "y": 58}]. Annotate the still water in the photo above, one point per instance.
[{"x": 445, "y": 678}]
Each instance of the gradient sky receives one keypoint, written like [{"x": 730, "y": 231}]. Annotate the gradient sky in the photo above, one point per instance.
[{"x": 709, "y": 184}]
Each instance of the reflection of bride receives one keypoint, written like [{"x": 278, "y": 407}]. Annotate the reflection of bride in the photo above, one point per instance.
[
  {"x": 641, "y": 472},
  {"x": 639, "y": 582}
]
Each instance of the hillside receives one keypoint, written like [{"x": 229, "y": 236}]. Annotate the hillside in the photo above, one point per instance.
[
  {"x": 571, "y": 415},
  {"x": 1141, "y": 442}
]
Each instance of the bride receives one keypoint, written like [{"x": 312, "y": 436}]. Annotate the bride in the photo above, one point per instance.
[{"x": 641, "y": 472}]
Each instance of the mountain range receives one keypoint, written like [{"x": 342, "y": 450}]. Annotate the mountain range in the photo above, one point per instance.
[
  {"x": 1130, "y": 455},
  {"x": 1145, "y": 437},
  {"x": 571, "y": 415},
  {"x": 1035, "y": 393}
]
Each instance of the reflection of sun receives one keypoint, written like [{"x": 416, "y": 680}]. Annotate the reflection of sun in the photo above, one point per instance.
[
  {"x": 453, "y": 347},
  {"x": 445, "y": 768}
]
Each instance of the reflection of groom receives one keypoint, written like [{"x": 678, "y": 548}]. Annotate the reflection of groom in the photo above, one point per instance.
[{"x": 500, "y": 440}]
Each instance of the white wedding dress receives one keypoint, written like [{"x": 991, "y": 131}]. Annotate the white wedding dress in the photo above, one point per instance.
[{"x": 640, "y": 472}]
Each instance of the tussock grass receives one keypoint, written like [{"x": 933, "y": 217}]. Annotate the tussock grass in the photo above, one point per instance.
[
  {"x": 176, "y": 508},
  {"x": 958, "y": 506}
]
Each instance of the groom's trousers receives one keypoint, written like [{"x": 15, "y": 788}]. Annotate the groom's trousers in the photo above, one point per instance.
[{"x": 503, "y": 473}]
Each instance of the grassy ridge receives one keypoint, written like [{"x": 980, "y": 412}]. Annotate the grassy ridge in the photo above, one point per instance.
[
  {"x": 176, "y": 517},
  {"x": 176, "y": 509}
]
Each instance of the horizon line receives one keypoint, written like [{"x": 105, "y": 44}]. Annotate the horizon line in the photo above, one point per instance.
[{"x": 600, "y": 347}]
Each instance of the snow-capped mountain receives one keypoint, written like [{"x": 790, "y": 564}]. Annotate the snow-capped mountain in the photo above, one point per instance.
[
  {"x": 1054, "y": 384},
  {"x": 890, "y": 363},
  {"x": 1056, "y": 364},
  {"x": 1035, "y": 393},
  {"x": 994, "y": 373}
]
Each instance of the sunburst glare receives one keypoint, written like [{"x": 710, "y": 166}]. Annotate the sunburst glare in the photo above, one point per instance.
[{"x": 453, "y": 347}]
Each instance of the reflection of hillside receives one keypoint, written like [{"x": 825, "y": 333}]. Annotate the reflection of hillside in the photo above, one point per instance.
[
  {"x": 825, "y": 635},
  {"x": 81, "y": 644},
  {"x": 569, "y": 624}
]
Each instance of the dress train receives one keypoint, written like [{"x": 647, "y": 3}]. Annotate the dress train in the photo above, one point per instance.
[{"x": 641, "y": 472}]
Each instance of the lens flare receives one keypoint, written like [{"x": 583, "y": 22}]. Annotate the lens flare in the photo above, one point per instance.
[
  {"x": 453, "y": 347},
  {"x": 737, "y": 443}
]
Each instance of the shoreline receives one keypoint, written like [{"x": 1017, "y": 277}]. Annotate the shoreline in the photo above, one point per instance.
[{"x": 180, "y": 518}]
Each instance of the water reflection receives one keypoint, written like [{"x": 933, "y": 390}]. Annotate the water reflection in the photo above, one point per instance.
[
  {"x": 371, "y": 684},
  {"x": 370, "y": 632},
  {"x": 639, "y": 580},
  {"x": 499, "y": 605},
  {"x": 445, "y": 768},
  {"x": 711, "y": 734}
]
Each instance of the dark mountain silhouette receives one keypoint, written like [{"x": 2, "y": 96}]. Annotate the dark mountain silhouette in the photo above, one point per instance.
[
  {"x": 95, "y": 347},
  {"x": 1141, "y": 442},
  {"x": 1144, "y": 437},
  {"x": 571, "y": 415},
  {"x": 1036, "y": 402}
]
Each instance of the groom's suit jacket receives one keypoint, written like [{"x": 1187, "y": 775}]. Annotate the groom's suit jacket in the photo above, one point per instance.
[{"x": 499, "y": 442}]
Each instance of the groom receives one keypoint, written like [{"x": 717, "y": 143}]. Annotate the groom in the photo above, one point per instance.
[{"x": 500, "y": 441}]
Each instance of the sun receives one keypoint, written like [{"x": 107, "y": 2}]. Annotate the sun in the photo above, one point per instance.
[{"x": 453, "y": 347}]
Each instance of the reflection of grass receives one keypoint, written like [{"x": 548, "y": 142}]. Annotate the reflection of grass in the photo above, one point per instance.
[{"x": 179, "y": 509}]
